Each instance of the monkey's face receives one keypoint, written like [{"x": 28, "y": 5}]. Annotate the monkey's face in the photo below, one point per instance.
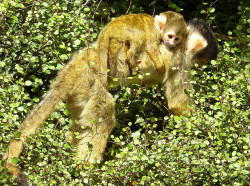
[
  {"x": 172, "y": 27},
  {"x": 171, "y": 39}
]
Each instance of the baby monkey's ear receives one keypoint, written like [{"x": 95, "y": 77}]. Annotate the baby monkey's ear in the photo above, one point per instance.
[
  {"x": 160, "y": 21},
  {"x": 201, "y": 43}
]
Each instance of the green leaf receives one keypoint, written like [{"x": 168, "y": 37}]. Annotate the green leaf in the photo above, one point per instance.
[
  {"x": 92, "y": 63},
  {"x": 85, "y": 66},
  {"x": 28, "y": 83},
  {"x": 144, "y": 157},
  {"x": 59, "y": 67},
  {"x": 64, "y": 57},
  {"x": 77, "y": 42},
  {"x": 15, "y": 19},
  {"x": 17, "y": 134},
  {"x": 226, "y": 57},
  {"x": 20, "y": 109},
  {"x": 213, "y": 62},
  {"x": 87, "y": 9},
  {"x": 140, "y": 76},
  {"x": 211, "y": 10},
  {"x": 66, "y": 146},
  {"x": 239, "y": 27},
  {"x": 203, "y": 12},
  {"x": 56, "y": 144},
  {"x": 15, "y": 160},
  {"x": 215, "y": 87},
  {"x": 2, "y": 64}
]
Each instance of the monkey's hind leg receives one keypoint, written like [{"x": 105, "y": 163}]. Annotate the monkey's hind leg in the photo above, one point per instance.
[
  {"x": 96, "y": 121},
  {"x": 133, "y": 48},
  {"x": 117, "y": 58}
]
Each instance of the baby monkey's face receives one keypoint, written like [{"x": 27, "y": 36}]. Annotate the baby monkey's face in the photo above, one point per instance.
[{"x": 171, "y": 38}]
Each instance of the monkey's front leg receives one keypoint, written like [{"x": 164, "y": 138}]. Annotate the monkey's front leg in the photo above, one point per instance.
[
  {"x": 175, "y": 87},
  {"x": 97, "y": 120},
  {"x": 153, "y": 51}
]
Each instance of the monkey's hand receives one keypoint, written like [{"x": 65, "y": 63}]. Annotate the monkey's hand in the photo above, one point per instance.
[{"x": 161, "y": 69}]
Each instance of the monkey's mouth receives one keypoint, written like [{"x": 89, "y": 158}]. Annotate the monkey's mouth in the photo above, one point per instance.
[{"x": 171, "y": 46}]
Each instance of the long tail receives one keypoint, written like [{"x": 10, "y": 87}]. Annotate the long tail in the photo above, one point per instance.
[
  {"x": 59, "y": 91},
  {"x": 34, "y": 120},
  {"x": 42, "y": 111}
]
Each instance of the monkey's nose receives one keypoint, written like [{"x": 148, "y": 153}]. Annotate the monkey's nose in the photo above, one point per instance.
[{"x": 171, "y": 45}]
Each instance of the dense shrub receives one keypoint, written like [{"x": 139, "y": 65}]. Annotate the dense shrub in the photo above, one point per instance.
[{"x": 149, "y": 146}]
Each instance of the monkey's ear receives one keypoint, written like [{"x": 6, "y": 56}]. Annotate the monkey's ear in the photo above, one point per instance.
[
  {"x": 195, "y": 42},
  {"x": 160, "y": 21}
]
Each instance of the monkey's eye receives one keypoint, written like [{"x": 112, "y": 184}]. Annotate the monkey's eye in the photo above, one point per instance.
[
  {"x": 170, "y": 36},
  {"x": 176, "y": 39}
]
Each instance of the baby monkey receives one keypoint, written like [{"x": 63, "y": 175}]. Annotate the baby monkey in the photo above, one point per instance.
[
  {"x": 172, "y": 27},
  {"x": 142, "y": 32}
]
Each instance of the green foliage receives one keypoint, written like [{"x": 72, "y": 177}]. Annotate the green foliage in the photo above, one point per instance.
[{"x": 149, "y": 145}]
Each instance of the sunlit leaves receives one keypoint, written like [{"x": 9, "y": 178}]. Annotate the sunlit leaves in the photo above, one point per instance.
[
  {"x": 150, "y": 146},
  {"x": 28, "y": 83},
  {"x": 64, "y": 57}
]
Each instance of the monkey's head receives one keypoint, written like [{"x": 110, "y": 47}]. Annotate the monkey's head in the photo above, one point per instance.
[
  {"x": 201, "y": 42},
  {"x": 172, "y": 27}
]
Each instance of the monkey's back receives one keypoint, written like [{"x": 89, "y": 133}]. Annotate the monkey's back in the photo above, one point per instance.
[{"x": 133, "y": 27}]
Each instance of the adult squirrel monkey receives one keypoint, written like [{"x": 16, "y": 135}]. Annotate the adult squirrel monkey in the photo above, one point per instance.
[{"x": 88, "y": 98}]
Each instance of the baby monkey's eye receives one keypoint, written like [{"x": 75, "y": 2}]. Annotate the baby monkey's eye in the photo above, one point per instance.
[
  {"x": 176, "y": 39},
  {"x": 170, "y": 36}
]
